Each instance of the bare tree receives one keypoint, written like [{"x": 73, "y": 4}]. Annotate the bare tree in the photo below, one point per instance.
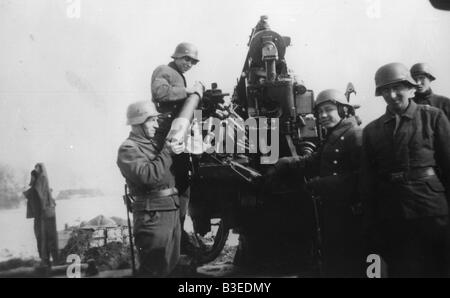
[{"x": 10, "y": 191}]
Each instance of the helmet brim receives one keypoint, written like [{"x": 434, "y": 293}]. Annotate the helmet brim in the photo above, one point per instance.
[
  {"x": 378, "y": 89},
  {"x": 181, "y": 56}
]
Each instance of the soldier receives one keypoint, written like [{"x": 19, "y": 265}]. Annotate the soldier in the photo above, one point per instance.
[
  {"x": 169, "y": 90},
  {"x": 405, "y": 203},
  {"x": 335, "y": 167},
  {"x": 147, "y": 165},
  {"x": 423, "y": 76}
]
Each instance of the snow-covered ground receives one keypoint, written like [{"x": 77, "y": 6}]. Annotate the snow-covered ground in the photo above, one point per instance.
[{"x": 16, "y": 232}]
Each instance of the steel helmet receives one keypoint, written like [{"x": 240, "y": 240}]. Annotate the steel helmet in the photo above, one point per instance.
[
  {"x": 186, "y": 49},
  {"x": 138, "y": 112},
  {"x": 422, "y": 69},
  {"x": 392, "y": 73},
  {"x": 332, "y": 95}
]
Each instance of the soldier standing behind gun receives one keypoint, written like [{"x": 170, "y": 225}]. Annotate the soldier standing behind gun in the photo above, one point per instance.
[
  {"x": 423, "y": 76},
  {"x": 335, "y": 167},
  {"x": 405, "y": 202},
  {"x": 146, "y": 163},
  {"x": 169, "y": 91}
]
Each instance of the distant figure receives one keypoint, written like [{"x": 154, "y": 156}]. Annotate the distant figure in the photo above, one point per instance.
[
  {"x": 423, "y": 75},
  {"x": 41, "y": 207}
]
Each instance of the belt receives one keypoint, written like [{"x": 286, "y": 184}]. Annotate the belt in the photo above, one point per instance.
[
  {"x": 412, "y": 174},
  {"x": 159, "y": 193}
]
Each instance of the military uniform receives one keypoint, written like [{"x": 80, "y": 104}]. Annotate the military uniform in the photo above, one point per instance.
[
  {"x": 168, "y": 93},
  {"x": 337, "y": 165},
  {"x": 148, "y": 170},
  {"x": 168, "y": 86},
  {"x": 405, "y": 203},
  {"x": 434, "y": 100}
]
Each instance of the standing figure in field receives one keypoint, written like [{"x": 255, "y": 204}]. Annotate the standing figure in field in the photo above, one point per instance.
[{"x": 41, "y": 207}]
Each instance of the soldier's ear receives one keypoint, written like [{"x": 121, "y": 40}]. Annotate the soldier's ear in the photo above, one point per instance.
[{"x": 412, "y": 92}]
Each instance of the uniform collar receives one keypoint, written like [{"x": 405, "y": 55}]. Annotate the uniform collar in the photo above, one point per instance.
[
  {"x": 424, "y": 95},
  {"x": 138, "y": 138},
  {"x": 341, "y": 128},
  {"x": 409, "y": 113},
  {"x": 174, "y": 67}
]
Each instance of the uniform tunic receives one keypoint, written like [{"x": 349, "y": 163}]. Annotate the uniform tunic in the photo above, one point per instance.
[
  {"x": 406, "y": 213},
  {"x": 434, "y": 100},
  {"x": 337, "y": 164},
  {"x": 148, "y": 170},
  {"x": 168, "y": 86}
]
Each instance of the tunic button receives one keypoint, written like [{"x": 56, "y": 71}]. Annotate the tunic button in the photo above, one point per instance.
[
  {"x": 342, "y": 138},
  {"x": 335, "y": 162},
  {"x": 334, "y": 174},
  {"x": 337, "y": 150}
]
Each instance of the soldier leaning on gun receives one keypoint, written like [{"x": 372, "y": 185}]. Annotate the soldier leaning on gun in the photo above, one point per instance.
[
  {"x": 335, "y": 167},
  {"x": 423, "y": 76},
  {"x": 146, "y": 163},
  {"x": 405, "y": 202},
  {"x": 169, "y": 90}
]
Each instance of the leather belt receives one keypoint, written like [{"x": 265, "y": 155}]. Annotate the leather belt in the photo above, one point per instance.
[
  {"x": 412, "y": 174},
  {"x": 159, "y": 193}
]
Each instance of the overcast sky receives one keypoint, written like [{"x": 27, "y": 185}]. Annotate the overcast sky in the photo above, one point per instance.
[{"x": 68, "y": 69}]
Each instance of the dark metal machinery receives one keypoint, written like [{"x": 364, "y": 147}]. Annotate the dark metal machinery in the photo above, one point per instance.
[{"x": 229, "y": 189}]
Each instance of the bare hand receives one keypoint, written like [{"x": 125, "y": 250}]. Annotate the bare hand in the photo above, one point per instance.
[{"x": 175, "y": 147}]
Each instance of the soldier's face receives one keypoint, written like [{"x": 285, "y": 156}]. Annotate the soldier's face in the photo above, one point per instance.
[
  {"x": 184, "y": 63},
  {"x": 423, "y": 83},
  {"x": 328, "y": 115},
  {"x": 150, "y": 126},
  {"x": 397, "y": 96}
]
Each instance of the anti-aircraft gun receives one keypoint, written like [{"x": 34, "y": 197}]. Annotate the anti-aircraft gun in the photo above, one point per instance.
[
  {"x": 229, "y": 189},
  {"x": 267, "y": 89}
]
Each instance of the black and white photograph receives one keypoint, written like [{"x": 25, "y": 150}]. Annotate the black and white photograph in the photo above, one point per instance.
[{"x": 224, "y": 140}]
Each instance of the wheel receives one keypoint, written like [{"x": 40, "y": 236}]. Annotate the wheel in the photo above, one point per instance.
[{"x": 211, "y": 244}]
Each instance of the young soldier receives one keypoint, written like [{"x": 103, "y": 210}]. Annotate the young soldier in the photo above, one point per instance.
[
  {"x": 169, "y": 90},
  {"x": 405, "y": 173},
  {"x": 335, "y": 167}
]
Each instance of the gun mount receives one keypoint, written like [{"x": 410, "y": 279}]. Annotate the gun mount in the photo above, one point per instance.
[{"x": 229, "y": 190}]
